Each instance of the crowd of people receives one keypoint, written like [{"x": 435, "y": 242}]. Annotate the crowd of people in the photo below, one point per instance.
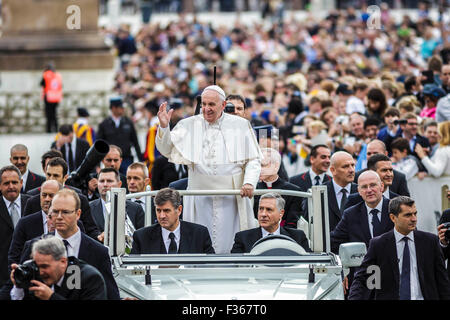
[{"x": 297, "y": 104}]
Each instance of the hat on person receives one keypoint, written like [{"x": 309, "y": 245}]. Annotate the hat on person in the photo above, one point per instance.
[
  {"x": 217, "y": 89},
  {"x": 82, "y": 112},
  {"x": 115, "y": 102},
  {"x": 159, "y": 87},
  {"x": 344, "y": 89},
  {"x": 431, "y": 89}
]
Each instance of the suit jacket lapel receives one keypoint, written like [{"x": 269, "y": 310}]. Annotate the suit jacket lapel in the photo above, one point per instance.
[
  {"x": 332, "y": 201},
  {"x": 421, "y": 261},
  {"x": 97, "y": 211},
  {"x": 391, "y": 254},
  {"x": 156, "y": 242},
  {"x": 185, "y": 239},
  {"x": 23, "y": 203},
  {"x": 364, "y": 223},
  {"x": 4, "y": 213},
  {"x": 308, "y": 179},
  {"x": 386, "y": 223}
]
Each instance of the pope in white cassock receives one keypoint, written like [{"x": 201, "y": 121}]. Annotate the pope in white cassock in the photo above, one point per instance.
[{"x": 221, "y": 152}]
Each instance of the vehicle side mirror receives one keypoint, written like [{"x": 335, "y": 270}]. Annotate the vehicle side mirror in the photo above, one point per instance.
[{"x": 352, "y": 254}]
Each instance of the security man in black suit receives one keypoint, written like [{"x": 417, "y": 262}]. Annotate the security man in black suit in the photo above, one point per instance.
[
  {"x": 342, "y": 168},
  {"x": 411, "y": 263},
  {"x": 20, "y": 158},
  {"x": 119, "y": 130},
  {"x": 65, "y": 212},
  {"x": 171, "y": 235},
  {"x": 382, "y": 165},
  {"x": 269, "y": 179},
  {"x": 73, "y": 149},
  {"x": 165, "y": 172},
  {"x": 365, "y": 220},
  {"x": 62, "y": 277},
  {"x": 109, "y": 178},
  {"x": 57, "y": 170},
  {"x": 316, "y": 175},
  {"x": 33, "y": 225},
  {"x": 270, "y": 214},
  {"x": 113, "y": 159},
  {"x": 399, "y": 185},
  {"x": 12, "y": 204}
]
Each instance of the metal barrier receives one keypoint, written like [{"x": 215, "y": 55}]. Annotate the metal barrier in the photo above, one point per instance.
[{"x": 317, "y": 227}]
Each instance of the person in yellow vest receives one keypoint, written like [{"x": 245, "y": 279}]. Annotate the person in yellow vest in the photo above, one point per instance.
[
  {"x": 81, "y": 127},
  {"x": 51, "y": 84}
]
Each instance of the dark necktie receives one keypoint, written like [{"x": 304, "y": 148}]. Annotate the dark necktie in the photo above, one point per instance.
[
  {"x": 70, "y": 160},
  {"x": 343, "y": 200},
  {"x": 173, "y": 244},
  {"x": 376, "y": 224},
  {"x": 140, "y": 202},
  {"x": 66, "y": 244},
  {"x": 317, "y": 179},
  {"x": 405, "y": 279}
]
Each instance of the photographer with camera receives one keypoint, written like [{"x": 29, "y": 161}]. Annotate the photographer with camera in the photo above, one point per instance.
[{"x": 51, "y": 275}]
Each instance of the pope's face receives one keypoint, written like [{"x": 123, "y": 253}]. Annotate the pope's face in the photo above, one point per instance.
[{"x": 212, "y": 106}]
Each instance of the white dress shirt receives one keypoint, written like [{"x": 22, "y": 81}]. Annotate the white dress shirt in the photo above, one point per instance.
[
  {"x": 265, "y": 233},
  {"x": 379, "y": 207},
  {"x": 24, "y": 179},
  {"x": 17, "y": 203},
  {"x": 165, "y": 235},
  {"x": 416, "y": 292},
  {"x": 386, "y": 193},
  {"x": 44, "y": 221},
  {"x": 337, "y": 191},
  {"x": 313, "y": 175},
  {"x": 73, "y": 247}
]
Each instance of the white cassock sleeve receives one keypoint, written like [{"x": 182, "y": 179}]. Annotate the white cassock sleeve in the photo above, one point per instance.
[{"x": 252, "y": 169}]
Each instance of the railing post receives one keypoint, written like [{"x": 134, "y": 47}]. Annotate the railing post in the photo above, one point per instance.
[
  {"x": 148, "y": 208},
  {"x": 320, "y": 222},
  {"x": 116, "y": 226}
]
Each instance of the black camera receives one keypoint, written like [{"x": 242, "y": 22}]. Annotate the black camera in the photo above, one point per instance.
[
  {"x": 25, "y": 273},
  {"x": 229, "y": 108},
  {"x": 447, "y": 233},
  {"x": 402, "y": 121}
]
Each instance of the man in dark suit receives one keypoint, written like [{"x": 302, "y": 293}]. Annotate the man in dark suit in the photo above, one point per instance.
[
  {"x": 365, "y": 220},
  {"x": 20, "y": 158},
  {"x": 269, "y": 179},
  {"x": 56, "y": 282},
  {"x": 73, "y": 149},
  {"x": 138, "y": 180},
  {"x": 119, "y": 130},
  {"x": 342, "y": 168},
  {"x": 65, "y": 212},
  {"x": 270, "y": 214},
  {"x": 316, "y": 175},
  {"x": 441, "y": 233},
  {"x": 179, "y": 184},
  {"x": 399, "y": 185},
  {"x": 109, "y": 178},
  {"x": 170, "y": 235},
  {"x": 57, "y": 170},
  {"x": 113, "y": 159},
  {"x": 411, "y": 263},
  {"x": 382, "y": 165},
  {"x": 33, "y": 225},
  {"x": 12, "y": 204}
]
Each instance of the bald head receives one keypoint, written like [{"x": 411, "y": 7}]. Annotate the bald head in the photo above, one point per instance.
[
  {"x": 48, "y": 190},
  {"x": 370, "y": 187},
  {"x": 342, "y": 168},
  {"x": 376, "y": 147}
]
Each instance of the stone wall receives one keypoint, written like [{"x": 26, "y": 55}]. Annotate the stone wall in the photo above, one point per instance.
[{"x": 24, "y": 112}]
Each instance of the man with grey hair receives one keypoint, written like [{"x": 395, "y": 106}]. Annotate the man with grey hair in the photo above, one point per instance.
[
  {"x": 411, "y": 262},
  {"x": 171, "y": 235},
  {"x": 270, "y": 214},
  {"x": 221, "y": 152},
  {"x": 20, "y": 158},
  {"x": 12, "y": 205},
  {"x": 269, "y": 179},
  {"x": 60, "y": 277}
]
